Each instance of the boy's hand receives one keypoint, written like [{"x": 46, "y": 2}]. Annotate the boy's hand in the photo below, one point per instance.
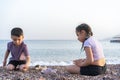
[
  {"x": 4, "y": 63},
  {"x": 24, "y": 67}
]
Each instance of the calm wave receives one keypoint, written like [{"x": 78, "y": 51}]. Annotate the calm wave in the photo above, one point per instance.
[{"x": 62, "y": 52}]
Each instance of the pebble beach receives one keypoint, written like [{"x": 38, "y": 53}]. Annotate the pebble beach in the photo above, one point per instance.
[{"x": 112, "y": 73}]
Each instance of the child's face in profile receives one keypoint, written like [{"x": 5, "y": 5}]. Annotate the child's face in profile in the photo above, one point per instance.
[
  {"x": 81, "y": 35},
  {"x": 17, "y": 40}
]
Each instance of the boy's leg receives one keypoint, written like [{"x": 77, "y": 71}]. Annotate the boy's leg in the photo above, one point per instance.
[
  {"x": 11, "y": 65},
  {"x": 73, "y": 69}
]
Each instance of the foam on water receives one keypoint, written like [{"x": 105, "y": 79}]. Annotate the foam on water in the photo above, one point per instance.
[
  {"x": 65, "y": 63},
  {"x": 62, "y": 52},
  {"x": 53, "y": 63}
]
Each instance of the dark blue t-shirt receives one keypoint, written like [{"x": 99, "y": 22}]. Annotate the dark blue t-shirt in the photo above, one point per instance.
[{"x": 16, "y": 51}]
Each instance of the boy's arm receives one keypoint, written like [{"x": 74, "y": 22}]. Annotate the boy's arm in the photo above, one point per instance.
[
  {"x": 28, "y": 60},
  {"x": 5, "y": 58}
]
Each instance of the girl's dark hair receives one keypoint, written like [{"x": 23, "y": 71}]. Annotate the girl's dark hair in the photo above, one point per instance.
[
  {"x": 16, "y": 32},
  {"x": 87, "y": 29}
]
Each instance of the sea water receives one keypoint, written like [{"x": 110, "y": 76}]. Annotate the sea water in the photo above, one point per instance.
[{"x": 61, "y": 52}]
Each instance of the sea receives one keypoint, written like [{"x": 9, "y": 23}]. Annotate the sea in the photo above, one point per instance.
[{"x": 61, "y": 52}]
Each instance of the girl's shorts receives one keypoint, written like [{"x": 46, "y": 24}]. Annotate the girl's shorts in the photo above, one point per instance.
[{"x": 93, "y": 70}]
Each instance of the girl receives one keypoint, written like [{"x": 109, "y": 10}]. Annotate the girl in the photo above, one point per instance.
[{"x": 94, "y": 64}]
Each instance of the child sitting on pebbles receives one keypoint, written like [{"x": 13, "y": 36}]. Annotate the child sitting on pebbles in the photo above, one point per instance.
[
  {"x": 20, "y": 58},
  {"x": 94, "y": 63}
]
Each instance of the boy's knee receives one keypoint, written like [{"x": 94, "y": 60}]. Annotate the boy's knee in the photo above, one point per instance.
[{"x": 10, "y": 67}]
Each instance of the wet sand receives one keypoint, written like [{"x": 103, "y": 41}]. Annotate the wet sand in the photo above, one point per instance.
[{"x": 112, "y": 73}]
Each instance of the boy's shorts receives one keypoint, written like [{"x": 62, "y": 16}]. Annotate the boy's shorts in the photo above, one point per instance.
[
  {"x": 16, "y": 63},
  {"x": 92, "y": 70}
]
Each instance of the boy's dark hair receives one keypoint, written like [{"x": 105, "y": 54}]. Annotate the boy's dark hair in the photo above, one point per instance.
[
  {"x": 87, "y": 29},
  {"x": 16, "y": 32}
]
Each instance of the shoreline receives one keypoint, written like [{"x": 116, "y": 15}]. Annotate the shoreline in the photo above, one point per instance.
[{"x": 112, "y": 73}]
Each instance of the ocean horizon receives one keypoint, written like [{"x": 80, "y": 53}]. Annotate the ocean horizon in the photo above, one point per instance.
[{"x": 61, "y": 52}]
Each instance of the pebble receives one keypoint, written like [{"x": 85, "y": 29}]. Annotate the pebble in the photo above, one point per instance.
[
  {"x": 60, "y": 74},
  {"x": 0, "y": 78}
]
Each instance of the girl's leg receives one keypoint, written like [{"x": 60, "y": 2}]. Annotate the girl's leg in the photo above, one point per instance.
[{"x": 73, "y": 69}]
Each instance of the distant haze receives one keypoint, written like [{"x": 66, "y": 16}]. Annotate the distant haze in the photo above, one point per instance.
[{"x": 57, "y": 19}]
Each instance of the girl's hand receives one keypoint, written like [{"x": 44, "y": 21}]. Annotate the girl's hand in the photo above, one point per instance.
[{"x": 78, "y": 62}]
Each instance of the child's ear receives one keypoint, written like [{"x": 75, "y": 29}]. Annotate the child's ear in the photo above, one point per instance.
[{"x": 23, "y": 37}]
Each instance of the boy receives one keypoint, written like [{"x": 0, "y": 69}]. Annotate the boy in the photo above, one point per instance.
[{"x": 20, "y": 58}]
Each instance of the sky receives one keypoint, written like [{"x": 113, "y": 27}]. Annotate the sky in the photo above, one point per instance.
[{"x": 57, "y": 19}]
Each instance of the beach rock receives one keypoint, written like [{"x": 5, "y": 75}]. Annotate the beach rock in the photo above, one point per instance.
[
  {"x": 48, "y": 71},
  {"x": 38, "y": 67},
  {"x": 0, "y": 78},
  {"x": 27, "y": 78},
  {"x": 107, "y": 78},
  {"x": 42, "y": 78},
  {"x": 58, "y": 73}
]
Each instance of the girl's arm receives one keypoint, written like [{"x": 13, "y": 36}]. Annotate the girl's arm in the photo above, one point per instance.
[
  {"x": 5, "y": 58},
  {"x": 89, "y": 57},
  {"x": 78, "y": 61}
]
